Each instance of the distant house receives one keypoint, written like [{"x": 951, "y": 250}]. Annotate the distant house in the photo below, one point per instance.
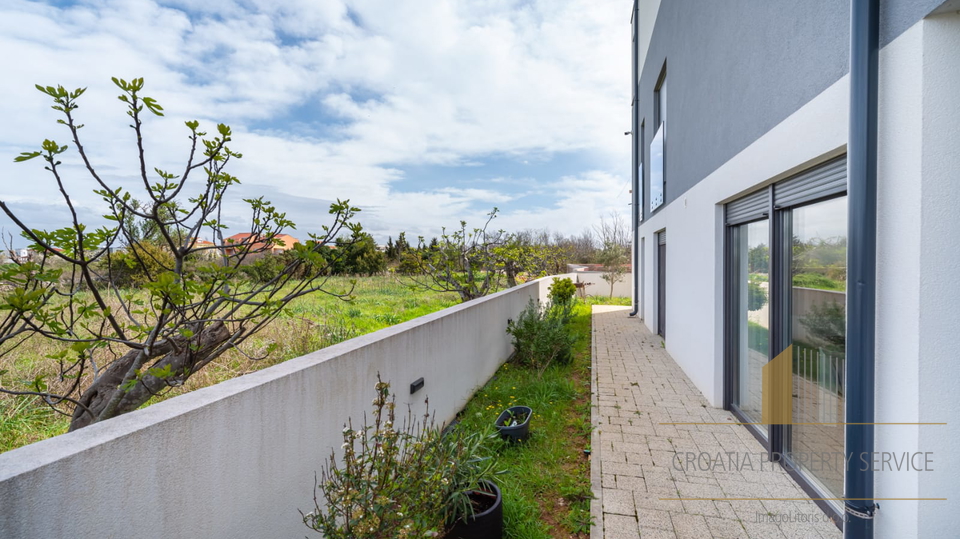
[
  {"x": 201, "y": 243},
  {"x": 21, "y": 256},
  {"x": 205, "y": 251},
  {"x": 247, "y": 242}
]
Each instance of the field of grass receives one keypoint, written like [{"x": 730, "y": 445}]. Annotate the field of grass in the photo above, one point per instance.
[
  {"x": 546, "y": 490},
  {"x": 309, "y": 323}
]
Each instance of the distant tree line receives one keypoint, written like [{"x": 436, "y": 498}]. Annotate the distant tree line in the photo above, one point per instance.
[{"x": 475, "y": 262}]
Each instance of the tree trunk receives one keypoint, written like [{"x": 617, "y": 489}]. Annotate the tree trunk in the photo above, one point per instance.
[
  {"x": 183, "y": 363},
  {"x": 511, "y": 273}
]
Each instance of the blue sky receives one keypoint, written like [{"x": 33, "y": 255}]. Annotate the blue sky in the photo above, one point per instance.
[{"x": 421, "y": 112}]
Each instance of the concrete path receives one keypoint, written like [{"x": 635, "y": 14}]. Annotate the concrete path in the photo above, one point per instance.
[{"x": 641, "y": 489}]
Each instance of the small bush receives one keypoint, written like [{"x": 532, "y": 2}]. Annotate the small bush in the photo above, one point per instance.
[
  {"x": 383, "y": 488},
  {"x": 410, "y": 264},
  {"x": 263, "y": 269},
  {"x": 404, "y": 479},
  {"x": 540, "y": 335},
  {"x": 562, "y": 291},
  {"x": 138, "y": 265},
  {"x": 756, "y": 296}
]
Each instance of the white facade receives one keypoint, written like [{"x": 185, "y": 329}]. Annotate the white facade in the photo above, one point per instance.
[{"x": 918, "y": 284}]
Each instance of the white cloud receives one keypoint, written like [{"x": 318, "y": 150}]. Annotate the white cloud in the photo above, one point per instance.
[
  {"x": 583, "y": 200},
  {"x": 421, "y": 82}
]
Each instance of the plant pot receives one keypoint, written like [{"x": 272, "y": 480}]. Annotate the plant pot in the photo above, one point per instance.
[
  {"x": 487, "y": 523},
  {"x": 519, "y": 431}
]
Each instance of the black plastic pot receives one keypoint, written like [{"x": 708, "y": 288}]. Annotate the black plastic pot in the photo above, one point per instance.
[
  {"x": 487, "y": 524},
  {"x": 514, "y": 433}
]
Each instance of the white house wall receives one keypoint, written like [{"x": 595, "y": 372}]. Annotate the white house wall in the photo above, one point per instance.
[
  {"x": 694, "y": 225},
  {"x": 918, "y": 300},
  {"x": 939, "y": 377},
  {"x": 898, "y": 284}
]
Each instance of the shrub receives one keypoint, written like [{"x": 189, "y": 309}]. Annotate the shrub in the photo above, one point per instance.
[
  {"x": 410, "y": 263},
  {"x": 138, "y": 265},
  {"x": 264, "y": 269},
  {"x": 562, "y": 291},
  {"x": 540, "y": 335},
  {"x": 387, "y": 485},
  {"x": 400, "y": 481},
  {"x": 756, "y": 296}
]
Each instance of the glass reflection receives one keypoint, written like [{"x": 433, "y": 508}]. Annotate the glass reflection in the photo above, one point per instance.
[
  {"x": 656, "y": 169},
  {"x": 818, "y": 269},
  {"x": 753, "y": 291}
]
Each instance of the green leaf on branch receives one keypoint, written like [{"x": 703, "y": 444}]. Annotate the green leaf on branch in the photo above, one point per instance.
[
  {"x": 152, "y": 105},
  {"x": 161, "y": 372},
  {"x": 25, "y": 156}
]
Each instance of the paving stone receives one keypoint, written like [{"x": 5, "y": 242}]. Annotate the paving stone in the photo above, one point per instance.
[
  {"x": 656, "y": 533},
  {"x": 725, "y": 528},
  {"x": 653, "y": 518},
  {"x": 655, "y": 503},
  {"x": 762, "y": 530},
  {"x": 630, "y": 482},
  {"x": 689, "y": 526},
  {"x": 608, "y": 480},
  {"x": 620, "y": 527},
  {"x": 706, "y": 508},
  {"x": 619, "y": 502}
]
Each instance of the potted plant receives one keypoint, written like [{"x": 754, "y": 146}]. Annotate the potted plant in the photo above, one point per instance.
[
  {"x": 408, "y": 480},
  {"x": 474, "y": 507},
  {"x": 514, "y": 423},
  {"x": 486, "y": 519}
]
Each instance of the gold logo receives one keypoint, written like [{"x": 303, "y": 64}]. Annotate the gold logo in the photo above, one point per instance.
[{"x": 777, "y": 405}]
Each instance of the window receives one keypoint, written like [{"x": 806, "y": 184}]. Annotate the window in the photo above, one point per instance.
[
  {"x": 785, "y": 288},
  {"x": 658, "y": 144},
  {"x": 656, "y": 169},
  {"x": 640, "y": 178},
  {"x": 660, "y": 99}
]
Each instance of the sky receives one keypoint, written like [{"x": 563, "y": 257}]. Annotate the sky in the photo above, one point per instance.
[{"x": 420, "y": 112}]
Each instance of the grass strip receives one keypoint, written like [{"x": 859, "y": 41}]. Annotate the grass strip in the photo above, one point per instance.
[{"x": 546, "y": 488}]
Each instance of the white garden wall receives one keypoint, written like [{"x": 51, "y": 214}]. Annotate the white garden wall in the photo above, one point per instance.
[
  {"x": 237, "y": 459},
  {"x": 596, "y": 285}
]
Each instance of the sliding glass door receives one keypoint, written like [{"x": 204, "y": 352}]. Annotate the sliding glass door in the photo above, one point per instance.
[
  {"x": 751, "y": 298},
  {"x": 817, "y": 329},
  {"x": 785, "y": 288}
]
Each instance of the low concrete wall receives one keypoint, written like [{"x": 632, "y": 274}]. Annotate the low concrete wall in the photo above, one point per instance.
[
  {"x": 237, "y": 460},
  {"x": 598, "y": 287},
  {"x": 804, "y": 299}
]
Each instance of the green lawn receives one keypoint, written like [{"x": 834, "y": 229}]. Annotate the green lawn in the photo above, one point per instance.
[{"x": 546, "y": 488}]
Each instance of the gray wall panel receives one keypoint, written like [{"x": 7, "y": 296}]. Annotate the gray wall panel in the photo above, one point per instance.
[
  {"x": 896, "y": 16},
  {"x": 737, "y": 68}
]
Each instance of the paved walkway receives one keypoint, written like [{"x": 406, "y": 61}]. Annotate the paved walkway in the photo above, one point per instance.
[{"x": 641, "y": 490}]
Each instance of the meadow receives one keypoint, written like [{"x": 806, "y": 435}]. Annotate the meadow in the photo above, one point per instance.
[{"x": 308, "y": 323}]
